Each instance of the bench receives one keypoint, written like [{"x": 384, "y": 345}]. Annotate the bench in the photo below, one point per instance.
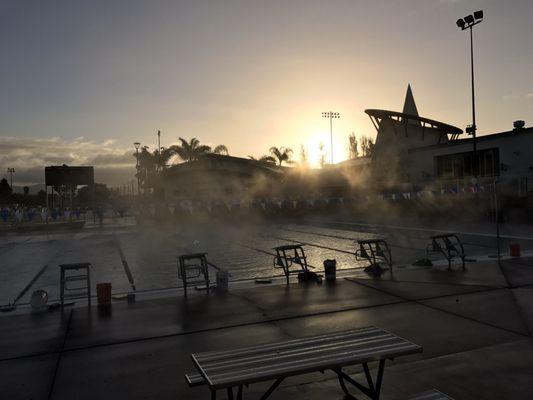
[
  {"x": 448, "y": 245},
  {"x": 433, "y": 394},
  {"x": 230, "y": 370}
]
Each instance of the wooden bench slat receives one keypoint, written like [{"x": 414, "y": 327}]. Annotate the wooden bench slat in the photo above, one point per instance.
[
  {"x": 298, "y": 367},
  {"x": 214, "y": 355},
  {"x": 431, "y": 395},
  {"x": 194, "y": 380},
  {"x": 309, "y": 354}
]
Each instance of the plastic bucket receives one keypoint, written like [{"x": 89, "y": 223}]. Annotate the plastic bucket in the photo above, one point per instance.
[
  {"x": 330, "y": 270},
  {"x": 103, "y": 292},
  {"x": 514, "y": 250},
  {"x": 222, "y": 281}
]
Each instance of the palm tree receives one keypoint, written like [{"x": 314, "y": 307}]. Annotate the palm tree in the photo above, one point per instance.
[
  {"x": 162, "y": 159},
  {"x": 282, "y": 154},
  {"x": 146, "y": 166},
  {"x": 191, "y": 150}
]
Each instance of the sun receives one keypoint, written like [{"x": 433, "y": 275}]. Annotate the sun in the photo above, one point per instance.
[{"x": 318, "y": 145}]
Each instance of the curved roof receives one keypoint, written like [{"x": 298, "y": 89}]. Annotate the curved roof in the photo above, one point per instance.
[{"x": 403, "y": 117}]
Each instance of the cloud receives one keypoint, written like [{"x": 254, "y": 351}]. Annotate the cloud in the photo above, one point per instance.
[
  {"x": 29, "y": 156},
  {"x": 518, "y": 96}
]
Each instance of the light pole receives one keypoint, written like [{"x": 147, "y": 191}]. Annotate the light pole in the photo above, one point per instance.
[
  {"x": 11, "y": 171},
  {"x": 158, "y": 164},
  {"x": 497, "y": 216},
  {"x": 137, "y": 145},
  {"x": 469, "y": 22},
  {"x": 331, "y": 115}
]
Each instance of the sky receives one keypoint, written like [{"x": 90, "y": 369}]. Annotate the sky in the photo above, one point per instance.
[{"x": 80, "y": 81}]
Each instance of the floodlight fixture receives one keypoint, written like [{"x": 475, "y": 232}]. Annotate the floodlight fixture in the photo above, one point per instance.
[
  {"x": 478, "y": 14},
  {"x": 460, "y": 23},
  {"x": 469, "y": 19}
]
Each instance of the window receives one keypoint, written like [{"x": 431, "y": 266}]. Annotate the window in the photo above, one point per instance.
[{"x": 460, "y": 165}]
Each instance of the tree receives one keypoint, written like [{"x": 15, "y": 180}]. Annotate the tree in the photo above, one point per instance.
[
  {"x": 221, "y": 149},
  {"x": 304, "y": 159},
  {"x": 162, "y": 158},
  {"x": 147, "y": 164},
  {"x": 352, "y": 146},
  {"x": 41, "y": 197},
  {"x": 26, "y": 190},
  {"x": 101, "y": 194},
  {"x": 322, "y": 155},
  {"x": 282, "y": 154},
  {"x": 5, "y": 189},
  {"x": 190, "y": 150},
  {"x": 367, "y": 146}
]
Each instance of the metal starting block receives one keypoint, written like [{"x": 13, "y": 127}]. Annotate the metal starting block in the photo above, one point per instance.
[
  {"x": 289, "y": 255},
  {"x": 193, "y": 269},
  {"x": 376, "y": 252},
  {"x": 448, "y": 245}
]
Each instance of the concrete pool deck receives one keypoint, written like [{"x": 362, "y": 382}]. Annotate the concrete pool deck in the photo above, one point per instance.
[{"x": 475, "y": 327}]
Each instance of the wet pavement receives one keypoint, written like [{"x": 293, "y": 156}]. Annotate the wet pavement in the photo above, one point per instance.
[{"x": 475, "y": 327}]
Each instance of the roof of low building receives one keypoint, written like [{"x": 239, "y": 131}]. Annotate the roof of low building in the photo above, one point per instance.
[
  {"x": 482, "y": 138},
  {"x": 220, "y": 162}
]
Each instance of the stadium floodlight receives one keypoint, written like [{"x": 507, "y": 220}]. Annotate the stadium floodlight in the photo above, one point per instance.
[
  {"x": 461, "y": 23},
  {"x": 478, "y": 14},
  {"x": 331, "y": 115}
]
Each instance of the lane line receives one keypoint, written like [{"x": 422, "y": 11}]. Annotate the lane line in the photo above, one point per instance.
[
  {"x": 427, "y": 230},
  {"x": 125, "y": 265}
]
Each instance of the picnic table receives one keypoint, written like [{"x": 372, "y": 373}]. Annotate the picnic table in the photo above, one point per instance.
[
  {"x": 232, "y": 369},
  {"x": 433, "y": 394}
]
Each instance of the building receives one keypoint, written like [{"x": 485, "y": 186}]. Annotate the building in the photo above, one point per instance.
[
  {"x": 216, "y": 177},
  {"x": 419, "y": 151}
]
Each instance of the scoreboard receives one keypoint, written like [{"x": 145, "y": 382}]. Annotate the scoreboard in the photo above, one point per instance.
[{"x": 65, "y": 175}]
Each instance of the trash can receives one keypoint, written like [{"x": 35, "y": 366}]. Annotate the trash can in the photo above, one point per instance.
[
  {"x": 514, "y": 250},
  {"x": 222, "y": 281},
  {"x": 103, "y": 292},
  {"x": 330, "y": 270},
  {"x": 38, "y": 300}
]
